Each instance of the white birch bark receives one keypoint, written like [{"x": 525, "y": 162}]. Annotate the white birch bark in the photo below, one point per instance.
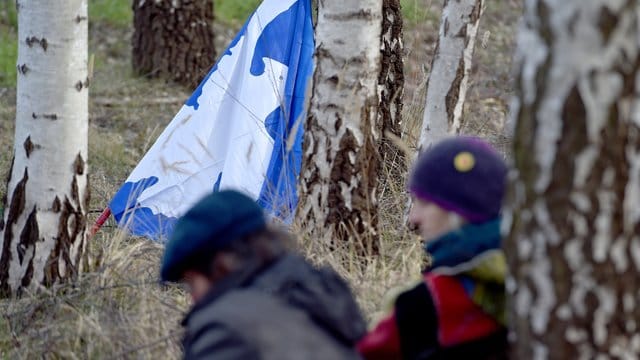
[
  {"x": 42, "y": 235},
  {"x": 574, "y": 243},
  {"x": 338, "y": 181},
  {"x": 449, "y": 77}
]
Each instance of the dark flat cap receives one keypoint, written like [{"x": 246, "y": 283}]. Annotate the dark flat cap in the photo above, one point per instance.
[{"x": 212, "y": 224}]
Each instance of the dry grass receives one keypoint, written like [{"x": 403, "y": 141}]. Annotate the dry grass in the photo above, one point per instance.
[{"x": 117, "y": 309}]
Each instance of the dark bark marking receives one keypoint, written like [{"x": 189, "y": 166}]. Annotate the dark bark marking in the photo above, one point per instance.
[
  {"x": 23, "y": 69},
  {"x": 46, "y": 116},
  {"x": 71, "y": 226},
  {"x": 56, "y": 206},
  {"x": 527, "y": 122},
  {"x": 474, "y": 17},
  {"x": 18, "y": 201},
  {"x": 34, "y": 40},
  {"x": 71, "y": 230},
  {"x": 573, "y": 23},
  {"x": 338, "y": 124},
  {"x": 633, "y": 138},
  {"x": 573, "y": 141},
  {"x": 74, "y": 191},
  {"x": 462, "y": 33},
  {"x": 453, "y": 95},
  {"x": 628, "y": 68},
  {"x": 44, "y": 44},
  {"x": 475, "y": 13},
  {"x": 29, "y": 236},
  {"x": 16, "y": 208},
  {"x": 29, "y": 146},
  {"x": 364, "y": 14},
  {"x": 607, "y": 23},
  {"x": 3, "y": 201},
  {"x": 391, "y": 80},
  {"x": 80, "y": 19},
  {"x": 28, "y": 276},
  {"x": 87, "y": 196},
  {"x": 544, "y": 15},
  {"x": 78, "y": 165},
  {"x": 79, "y": 85}
]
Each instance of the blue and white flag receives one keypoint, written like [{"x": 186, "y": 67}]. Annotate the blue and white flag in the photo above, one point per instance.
[{"x": 240, "y": 129}]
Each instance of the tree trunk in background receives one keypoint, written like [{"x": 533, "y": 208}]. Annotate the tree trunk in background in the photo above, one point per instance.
[
  {"x": 339, "y": 177},
  {"x": 574, "y": 245},
  {"x": 43, "y": 233},
  {"x": 173, "y": 39},
  {"x": 450, "y": 67},
  {"x": 391, "y": 83}
]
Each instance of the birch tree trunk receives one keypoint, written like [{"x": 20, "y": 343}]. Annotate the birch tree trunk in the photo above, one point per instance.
[
  {"x": 391, "y": 89},
  {"x": 339, "y": 177},
  {"x": 449, "y": 77},
  {"x": 173, "y": 39},
  {"x": 42, "y": 235},
  {"x": 574, "y": 217}
]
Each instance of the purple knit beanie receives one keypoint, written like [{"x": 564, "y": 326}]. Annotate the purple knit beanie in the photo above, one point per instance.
[{"x": 462, "y": 174}]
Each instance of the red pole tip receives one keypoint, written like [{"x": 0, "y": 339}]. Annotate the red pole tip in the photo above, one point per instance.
[{"x": 99, "y": 222}]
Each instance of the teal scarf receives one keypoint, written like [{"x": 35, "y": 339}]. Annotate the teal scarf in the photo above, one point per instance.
[{"x": 473, "y": 254}]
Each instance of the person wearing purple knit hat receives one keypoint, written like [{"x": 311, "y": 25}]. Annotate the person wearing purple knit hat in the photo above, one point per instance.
[{"x": 458, "y": 310}]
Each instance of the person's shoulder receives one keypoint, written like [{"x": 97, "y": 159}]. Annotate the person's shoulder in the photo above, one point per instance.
[
  {"x": 219, "y": 339},
  {"x": 241, "y": 302},
  {"x": 231, "y": 307}
]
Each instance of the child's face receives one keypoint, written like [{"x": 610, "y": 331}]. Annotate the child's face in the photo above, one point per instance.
[{"x": 430, "y": 219}]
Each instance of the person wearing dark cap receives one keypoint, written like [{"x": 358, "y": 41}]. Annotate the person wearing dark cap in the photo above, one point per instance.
[
  {"x": 253, "y": 299},
  {"x": 457, "y": 310}
]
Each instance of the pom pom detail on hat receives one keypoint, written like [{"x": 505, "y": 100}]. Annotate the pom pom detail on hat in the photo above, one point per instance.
[
  {"x": 464, "y": 161},
  {"x": 464, "y": 175},
  {"x": 209, "y": 226}
]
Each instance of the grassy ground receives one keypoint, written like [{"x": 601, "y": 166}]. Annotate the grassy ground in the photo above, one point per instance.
[{"x": 117, "y": 309}]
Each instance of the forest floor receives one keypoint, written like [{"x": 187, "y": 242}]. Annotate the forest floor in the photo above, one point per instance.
[{"x": 117, "y": 309}]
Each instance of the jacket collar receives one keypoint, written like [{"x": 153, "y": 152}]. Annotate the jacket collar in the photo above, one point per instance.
[
  {"x": 238, "y": 279},
  {"x": 463, "y": 245}
]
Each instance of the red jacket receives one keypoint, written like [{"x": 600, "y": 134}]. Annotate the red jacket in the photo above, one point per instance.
[{"x": 436, "y": 319}]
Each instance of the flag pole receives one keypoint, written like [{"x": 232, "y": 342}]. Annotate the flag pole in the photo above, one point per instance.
[{"x": 99, "y": 222}]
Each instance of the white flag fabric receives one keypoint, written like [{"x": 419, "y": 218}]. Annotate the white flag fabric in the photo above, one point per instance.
[{"x": 240, "y": 129}]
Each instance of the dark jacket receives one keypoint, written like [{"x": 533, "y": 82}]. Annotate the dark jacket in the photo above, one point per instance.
[
  {"x": 287, "y": 310},
  {"x": 457, "y": 311}
]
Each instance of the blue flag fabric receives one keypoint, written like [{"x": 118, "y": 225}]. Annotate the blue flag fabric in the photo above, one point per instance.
[{"x": 240, "y": 129}]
